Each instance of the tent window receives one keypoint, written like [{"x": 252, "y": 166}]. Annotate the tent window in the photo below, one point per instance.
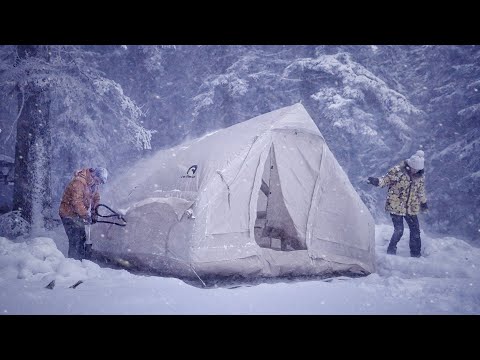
[{"x": 274, "y": 227}]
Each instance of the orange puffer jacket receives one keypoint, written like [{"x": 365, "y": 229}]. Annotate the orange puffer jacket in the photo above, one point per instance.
[{"x": 79, "y": 194}]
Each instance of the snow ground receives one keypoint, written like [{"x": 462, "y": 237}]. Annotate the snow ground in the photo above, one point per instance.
[{"x": 445, "y": 280}]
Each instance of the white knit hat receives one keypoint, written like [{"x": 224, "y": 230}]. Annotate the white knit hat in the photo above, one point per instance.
[
  {"x": 101, "y": 173},
  {"x": 416, "y": 161}
]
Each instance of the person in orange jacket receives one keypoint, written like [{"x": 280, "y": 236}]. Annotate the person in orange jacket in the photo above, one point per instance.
[{"x": 79, "y": 200}]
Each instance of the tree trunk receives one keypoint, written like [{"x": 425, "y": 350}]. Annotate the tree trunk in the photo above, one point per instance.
[{"x": 32, "y": 191}]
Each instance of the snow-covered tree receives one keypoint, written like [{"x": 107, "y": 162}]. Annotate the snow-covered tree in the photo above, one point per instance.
[
  {"x": 375, "y": 105},
  {"x": 63, "y": 95}
]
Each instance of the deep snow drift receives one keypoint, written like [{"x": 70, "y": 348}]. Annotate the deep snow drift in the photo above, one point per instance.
[{"x": 446, "y": 280}]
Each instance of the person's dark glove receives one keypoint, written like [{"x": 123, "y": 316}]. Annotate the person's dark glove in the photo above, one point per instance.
[
  {"x": 87, "y": 220},
  {"x": 373, "y": 180},
  {"x": 94, "y": 219},
  {"x": 424, "y": 207}
]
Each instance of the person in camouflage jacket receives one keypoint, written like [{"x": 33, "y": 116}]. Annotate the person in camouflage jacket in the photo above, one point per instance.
[{"x": 406, "y": 198}]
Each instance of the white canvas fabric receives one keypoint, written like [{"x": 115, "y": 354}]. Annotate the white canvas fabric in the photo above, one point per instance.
[{"x": 197, "y": 207}]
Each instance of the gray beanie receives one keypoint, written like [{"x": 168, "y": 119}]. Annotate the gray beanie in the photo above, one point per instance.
[
  {"x": 416, "y": 161},
  {"x": 101, "y": 173}
]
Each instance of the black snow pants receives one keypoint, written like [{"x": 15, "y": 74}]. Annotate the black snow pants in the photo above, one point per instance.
[
  {"x": 75, "y": 229},
  {"x": 415, "y": 241}
]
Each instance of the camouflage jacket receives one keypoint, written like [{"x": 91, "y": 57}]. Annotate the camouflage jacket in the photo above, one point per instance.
[{"x": 405, "y": 191}]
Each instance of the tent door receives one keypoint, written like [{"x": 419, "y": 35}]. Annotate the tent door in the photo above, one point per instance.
[{"x": 274, "y": 227}]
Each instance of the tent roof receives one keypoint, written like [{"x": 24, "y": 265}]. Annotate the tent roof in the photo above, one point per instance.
[{"x": 215, "y": 150}]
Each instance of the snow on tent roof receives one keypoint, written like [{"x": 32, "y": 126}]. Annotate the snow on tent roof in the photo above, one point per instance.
[{"x": 265, "y": 197}]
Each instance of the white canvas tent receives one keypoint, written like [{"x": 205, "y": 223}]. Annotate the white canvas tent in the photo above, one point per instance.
[{"x": 264, "y": 197}]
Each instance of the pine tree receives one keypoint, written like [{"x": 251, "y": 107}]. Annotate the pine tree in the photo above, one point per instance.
[
  {"x": 32, "y": 191},
  {"x": 62, "y": 94}
]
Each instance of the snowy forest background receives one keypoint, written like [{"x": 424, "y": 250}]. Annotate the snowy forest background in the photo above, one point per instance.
[{"x": 67, "y": 107}]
